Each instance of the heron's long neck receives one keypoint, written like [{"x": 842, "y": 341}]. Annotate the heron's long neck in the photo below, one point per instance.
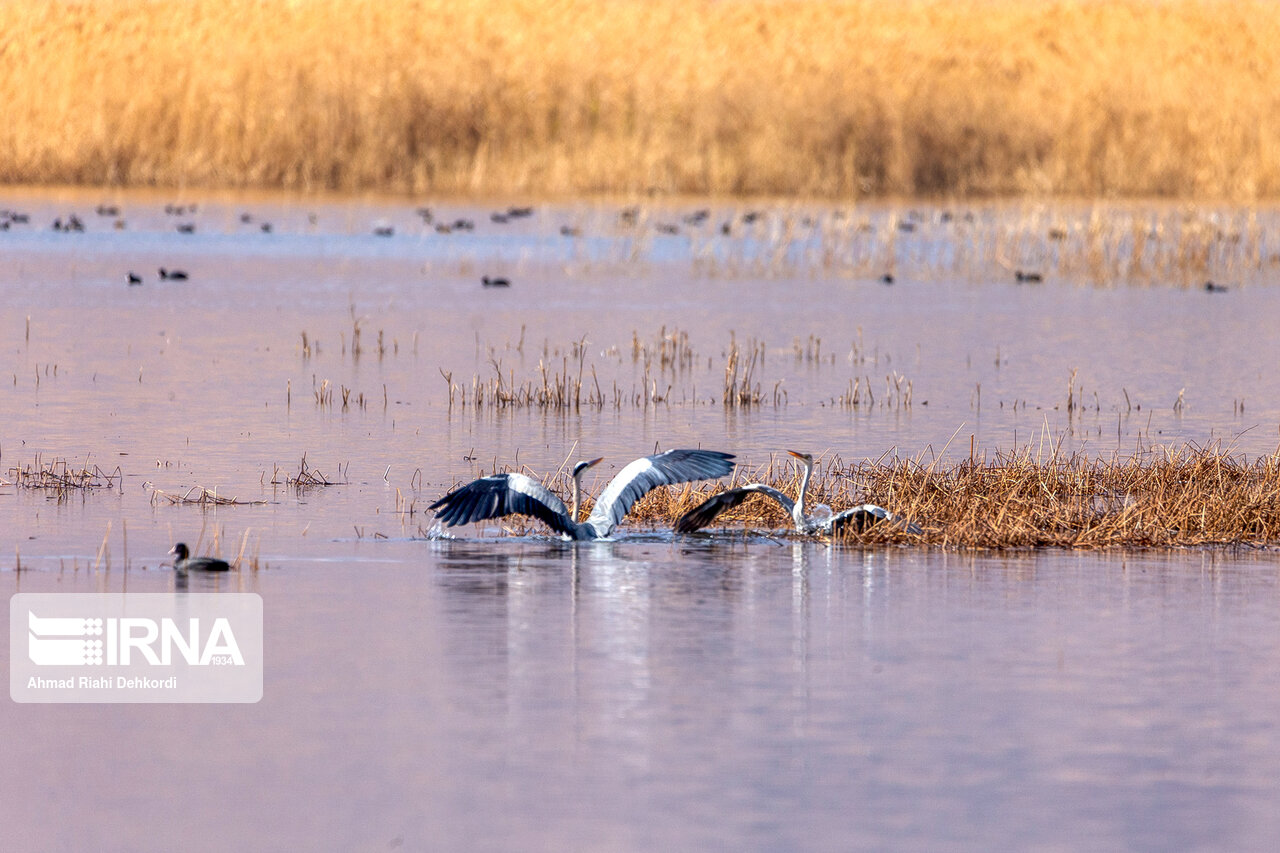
[
  {"x": 577, "y": 497},
  {"x": 797, "y": 511}
]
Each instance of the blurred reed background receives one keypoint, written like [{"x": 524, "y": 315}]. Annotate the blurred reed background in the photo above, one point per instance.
[{"x": 1173, "y": 99}]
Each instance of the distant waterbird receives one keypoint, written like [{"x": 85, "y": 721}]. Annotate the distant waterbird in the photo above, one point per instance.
[
  {"x": 172, "y": 275},
  {"x": 486, "y": 281},
  {"x": 857, "y": 518},
  {"x": 518, "y": 494}
]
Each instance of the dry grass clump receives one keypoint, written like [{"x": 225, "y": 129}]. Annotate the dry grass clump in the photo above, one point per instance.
[
  {"x": 1166, "y": 497},
  {"x": 60, "y": 478},
  {"x": 1158, "y": 498},
  {"x": 840, "y": 98}
]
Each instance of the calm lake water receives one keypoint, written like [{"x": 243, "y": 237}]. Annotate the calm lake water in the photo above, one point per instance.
[{"x": 723, "y": 692}]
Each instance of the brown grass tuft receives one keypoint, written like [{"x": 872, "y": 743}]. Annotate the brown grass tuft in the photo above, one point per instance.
[
  {"x": 1159, "y": 498},
  {"x": 1172, "y": 99}
]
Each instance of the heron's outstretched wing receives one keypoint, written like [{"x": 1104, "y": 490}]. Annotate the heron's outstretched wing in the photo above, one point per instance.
[
  {"x": 859, "y": 518},
  {"x": 644, "y": 475},
  {"x": 706, "y": 512},
  {"x": 503, "y": 494}
]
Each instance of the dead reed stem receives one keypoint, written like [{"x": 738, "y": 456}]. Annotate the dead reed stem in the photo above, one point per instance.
[
  {"x": 306, "y": 477},
  {"x": 62, "y": 479},
  {"x": 197, "y": 495},
  {"x": 848, "y": 98}
]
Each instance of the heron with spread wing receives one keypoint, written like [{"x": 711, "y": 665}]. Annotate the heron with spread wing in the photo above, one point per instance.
[
  {"x": 518, "y": 494},
  {"x": 857, "y": 518}
]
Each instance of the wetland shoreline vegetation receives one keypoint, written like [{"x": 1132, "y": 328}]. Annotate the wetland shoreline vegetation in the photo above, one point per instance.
[
  {"x": 1066, "y": 99},
  {"x": 1034, "y": 497}
]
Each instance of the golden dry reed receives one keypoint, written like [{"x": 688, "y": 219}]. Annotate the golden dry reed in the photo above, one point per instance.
[
  {"x": 1159, "y": 498},
  {"x": 1168, "y": 98}
]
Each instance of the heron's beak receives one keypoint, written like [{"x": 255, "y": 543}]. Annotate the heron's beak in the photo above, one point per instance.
[
  {"x": 798, "y": 455},
  {"x": 594, "y": 462}
]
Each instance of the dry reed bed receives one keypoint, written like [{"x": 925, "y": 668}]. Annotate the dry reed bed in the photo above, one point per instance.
[
  {"x": 61, "y": 478},
  {"x": 1172, "y": 99},
  {"x": 573, "y": 384},
  {"x": 1098, "y": 244},
  {"x": 1159, "y": 498}
]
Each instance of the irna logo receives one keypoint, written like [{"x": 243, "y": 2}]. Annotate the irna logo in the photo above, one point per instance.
[
  {"x": 135, "y": 647},
  {"x": 93, "y": 641}
]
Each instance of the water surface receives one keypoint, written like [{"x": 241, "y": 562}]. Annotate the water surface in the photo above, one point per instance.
[{"x": 737, "y": 695}]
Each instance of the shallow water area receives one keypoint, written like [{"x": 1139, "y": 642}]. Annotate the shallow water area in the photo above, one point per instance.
[
  {"x": 630, "y": 695},
  {"x": 732, "y": 690}
]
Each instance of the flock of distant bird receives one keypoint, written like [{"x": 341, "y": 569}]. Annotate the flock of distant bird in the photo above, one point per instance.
[{"x": 627, "y": 216}]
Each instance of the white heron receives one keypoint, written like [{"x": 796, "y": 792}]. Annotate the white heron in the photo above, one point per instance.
[
  {"x": 518, "y": 494},
  {"x": 858, "y": 517}
]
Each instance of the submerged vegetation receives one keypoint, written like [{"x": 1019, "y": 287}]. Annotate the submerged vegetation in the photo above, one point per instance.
[{"x": 847, "y": 98}]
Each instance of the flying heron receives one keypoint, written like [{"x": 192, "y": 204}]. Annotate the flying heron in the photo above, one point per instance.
[{"x": 518, "y": 494}]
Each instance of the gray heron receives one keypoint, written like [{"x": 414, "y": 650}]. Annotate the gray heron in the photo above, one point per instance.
[
  {"x": 518, "y": 494},
  {"x": 183, "y": 562},
  {"x": 858, "y": 518}
]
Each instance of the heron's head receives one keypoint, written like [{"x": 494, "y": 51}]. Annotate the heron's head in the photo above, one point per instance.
[
  {"x": 583, "y": 466},
  {"x": 806, "y": 458}
]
